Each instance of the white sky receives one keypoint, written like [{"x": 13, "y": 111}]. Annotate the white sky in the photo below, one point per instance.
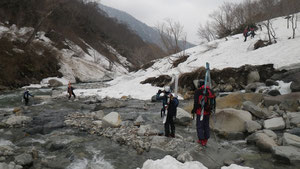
[{"x": 189, "y": 13}]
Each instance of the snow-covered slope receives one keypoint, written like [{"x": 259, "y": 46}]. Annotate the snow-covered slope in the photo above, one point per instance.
[{"x": 222, "y": 53}]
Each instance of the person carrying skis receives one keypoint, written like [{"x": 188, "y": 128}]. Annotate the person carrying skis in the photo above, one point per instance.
[
  {"x": 26, "y": 96},
  {"x": 202, "y": 126},
  {"x": 170, "y": 104},
  {"x": 70, "y": 91}
]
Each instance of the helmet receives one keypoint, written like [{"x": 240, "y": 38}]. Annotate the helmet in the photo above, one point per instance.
[{"x": 167, "y": 88}]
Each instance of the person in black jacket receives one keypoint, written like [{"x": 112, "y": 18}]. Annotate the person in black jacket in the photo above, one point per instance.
[
  {"x": 26, "y": 96},
  {"x": 170, "y": 104},
  {"x": 70, "y": 91}
]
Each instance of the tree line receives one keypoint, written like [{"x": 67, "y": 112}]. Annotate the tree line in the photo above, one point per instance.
[{"x": 232, "y": 18}]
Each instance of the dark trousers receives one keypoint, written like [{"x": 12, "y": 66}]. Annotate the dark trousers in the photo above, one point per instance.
[
  {"x": 26, "y": 101},
  {"x": 70, "y": 94},
  {"x": 203, "y": 127},
  {"x": 169, "y": 123}
]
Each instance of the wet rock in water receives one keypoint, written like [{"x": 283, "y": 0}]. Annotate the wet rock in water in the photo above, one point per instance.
[
  {"x": 253, "y": 77},
  {"x": 291, "y": 140},
  {"x": 274, "y": 123},
  {"x": 230, "y": 122},
  {"x": 16, "y": 120},
  {"x": 53, "y": 125},
  {"x": 18, "y": 111},
  {"x": 111, "y": 103},
  {"x": 252, "y": 126},
  {"x": 270, "y": 82},
  {"x": 139, "y": 121},
  {"x": 6, "y": 150},
  {"x": 113, "y": 119},
  {"x": 54, "y": 83},
  {"x": 274, "y": 93},
  {"x": 183, "y": 117},
  {"x": 295, "y": 86},
  {"x": 255, "y": 110},
  {"x": 11, "y": 165},
  {"x": 287, "y": 154},
  {"x": 294, "y": 119},
  {"x": 24, "y": 159},
  {"x": 184, "y": 157},
  {"x": 262, "y": 141}
]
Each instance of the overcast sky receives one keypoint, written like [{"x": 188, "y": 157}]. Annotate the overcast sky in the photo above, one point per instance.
[{"x": 190, "y": 13}]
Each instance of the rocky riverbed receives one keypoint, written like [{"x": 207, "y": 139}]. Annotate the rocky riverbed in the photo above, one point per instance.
[{"x": 93, "y": 132}]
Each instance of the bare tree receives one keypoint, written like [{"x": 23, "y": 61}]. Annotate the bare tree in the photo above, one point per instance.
[
  {"x": 171, "y": 33},
  {"x": 206, "y": 32}
]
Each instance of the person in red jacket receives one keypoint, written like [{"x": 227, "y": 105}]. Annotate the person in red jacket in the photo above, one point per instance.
[{"x": 203, "y": 132}]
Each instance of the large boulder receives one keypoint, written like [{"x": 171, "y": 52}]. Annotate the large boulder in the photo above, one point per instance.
[
  {"x": 253, "y": 86},
  {"x": 295, "y": 86},
  {"x": 16, "y": 120},
  {"x": 54, "y": 83},
  {"x": 287, "y": 154},
  {"x": 288, "y": 101},
  {"x": 270, "y": 82},
  {"x": 183, "y": 117},
  {"x": 230, "y": 121},
  {"x": 235, "y": 100},
  {"x": 256, "y": 111},
  {"x": 276, "y": 123},
  {"x": 291, "y": 140},
  {"x": 262, "y": 141},
  {"x": 113, "y": 119}
]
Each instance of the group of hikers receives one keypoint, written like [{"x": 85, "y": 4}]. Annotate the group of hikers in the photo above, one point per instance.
[
  {"x": 170, "y": 103},
  {"x": 169, "y": 109},
  {"x": 27, "y": 93},
  {"x": 249, "y": 31}
]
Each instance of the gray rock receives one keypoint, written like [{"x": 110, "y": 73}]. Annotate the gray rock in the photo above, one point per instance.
[
  {"x": 295, "y": 131},
  {"x": 274, "y": 123},
  {"x": 111, "y": 103},
  {"x": 270, "y": 82},
  {"x": 184, "y": 157},
  {"x": 183, "y": 117},
  {"x": 230, "y": 121},
  {"x": 274, "y": 93},
  {"x": 287, "y": 154},
  {"x": 145, "y": 130},
  {"x": 253, "y": 86},
  {"x": 291, "y": 140},
  {"x": 6, "y": 150},
  {"x": 17, "y": 120},
  {"x": 153, "y": 99},
  {"x": 113, "y": 119},
  {"x": 288, "y": 101},
  {"x": 11, "y": 165},
  {"x": 54, "y": 83},
  {"x": 270, "y": 133},
  {"x": 23, "y": 159},
  {"x": 139, "y": 121},
  {"x": 98, "y": 115},
  {"x": 294, "y": 118},
  {"x": 255, "y": 110},
  {"x": 295, "y": 86},
  {"x": 98, "y": 123},
  {"x": 228, "y": 88},
  {"x": 252, "y": 126},
  {"x": 262, "y": 141},
  {"x": 253, "y": 77}
]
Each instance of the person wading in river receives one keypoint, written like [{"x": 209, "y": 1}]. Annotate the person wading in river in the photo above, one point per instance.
[
  {"x": 26, "y": 97},
  {"x": 70, "y": 91}
]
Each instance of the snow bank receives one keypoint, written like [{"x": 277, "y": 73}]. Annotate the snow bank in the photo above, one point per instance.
[{"x": 169, "y": 162}]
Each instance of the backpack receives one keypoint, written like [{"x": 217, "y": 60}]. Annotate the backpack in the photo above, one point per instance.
[{"x": 209, "y": 100}]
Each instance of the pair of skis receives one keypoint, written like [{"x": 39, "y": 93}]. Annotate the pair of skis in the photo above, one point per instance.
[{"x": 207, "y": 82}]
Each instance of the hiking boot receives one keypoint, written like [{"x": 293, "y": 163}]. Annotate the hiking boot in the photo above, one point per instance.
[{"x": 199, "y": 141}]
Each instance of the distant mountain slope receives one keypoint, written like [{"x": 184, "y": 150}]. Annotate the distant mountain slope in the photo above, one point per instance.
[{"x": 147, "y": 33}]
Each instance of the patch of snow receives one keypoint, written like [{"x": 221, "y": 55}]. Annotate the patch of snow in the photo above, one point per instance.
[
  {"x": 234, "y": 166},
  {"x": 34, "y": 86},
  {"x": 168, "y": 162},
  {"x": 283, "y": 88}
]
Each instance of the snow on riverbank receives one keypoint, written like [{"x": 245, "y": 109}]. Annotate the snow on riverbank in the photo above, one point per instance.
[
  {"x": 168, "y": 162},
  {"x": 222, "y": 53}
]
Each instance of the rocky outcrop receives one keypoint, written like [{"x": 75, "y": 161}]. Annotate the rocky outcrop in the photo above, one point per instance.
[
  {"x": 113, "y": 119},
  {"x": 274, "y": 123}
]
